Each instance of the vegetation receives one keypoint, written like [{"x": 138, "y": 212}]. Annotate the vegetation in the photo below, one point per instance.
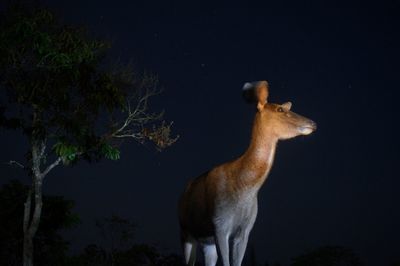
[
  {"x": 328, "y": 256},
  {"x": 115, "y": 244},
  {"x": 58, "y": 89},
  {"x": 118, "y": 247},
  {"x": 50, "y": 247}
]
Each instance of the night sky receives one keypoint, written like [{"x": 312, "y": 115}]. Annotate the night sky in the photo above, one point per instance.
[{"x": 338, "y": 62}]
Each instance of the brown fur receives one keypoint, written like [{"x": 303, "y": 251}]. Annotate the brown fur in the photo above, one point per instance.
[{"x": 223, "y": 191}]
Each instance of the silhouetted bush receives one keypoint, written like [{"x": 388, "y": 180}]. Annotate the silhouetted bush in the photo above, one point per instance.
[{"x": 328, "y": 256}]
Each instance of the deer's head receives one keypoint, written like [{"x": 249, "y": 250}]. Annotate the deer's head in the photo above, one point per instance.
[{"x": 278, "y": 118}]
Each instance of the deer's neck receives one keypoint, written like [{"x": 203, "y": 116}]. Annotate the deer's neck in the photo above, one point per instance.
[{"x": 258, "y": 159}]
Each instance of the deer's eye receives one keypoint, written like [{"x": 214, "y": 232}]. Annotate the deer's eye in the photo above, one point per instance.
[{"x": 280, "y": 109}]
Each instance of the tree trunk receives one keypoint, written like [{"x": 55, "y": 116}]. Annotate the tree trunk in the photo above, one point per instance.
[
  {"x": 28, "y": 250},
  {"x": 32, "y": 217},
  {"x": 34, "y": 198},
  {"x": 31, "y": 221},
  {"x": 27, "y": 255}
]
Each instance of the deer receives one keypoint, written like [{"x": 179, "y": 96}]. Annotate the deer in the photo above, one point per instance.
[{"x": 217, "y": 210}]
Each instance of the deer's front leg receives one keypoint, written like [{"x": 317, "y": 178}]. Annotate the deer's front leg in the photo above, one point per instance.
[
  {"x": 242, "y": 236},
  {"x": 239, "y": 248},
  {"x": 222, "y": 241},
  {"x": 223, "y": 227}
]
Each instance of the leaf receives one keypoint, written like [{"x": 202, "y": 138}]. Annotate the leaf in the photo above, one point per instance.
[
  {"x": 110, "y": 152},
  {"x": 66, "y": 151}
]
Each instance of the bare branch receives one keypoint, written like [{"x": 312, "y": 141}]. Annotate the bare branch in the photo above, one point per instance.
[
  {"x": 137, "y": 122},
  {"x": 15, "y": 163},
  {"x": 51, "y": 166},
  {"x": 137, "y": 110},
  {"x": 133, "y": 135},
  {"x": 161, "y": 135}
]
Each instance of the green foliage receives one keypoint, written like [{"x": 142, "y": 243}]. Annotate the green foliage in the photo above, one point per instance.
[
  {"x": 110, "y": 152},
  {"x": 53, "y": 71},
  {"x": 50, "y": 247},
  {"x": 56, "y": 49},
  {"x": 58, "y": 89},
  {"x": 67, "y": 152}
]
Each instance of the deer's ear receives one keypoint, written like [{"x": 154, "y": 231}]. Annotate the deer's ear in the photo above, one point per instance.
[
  {"x": 261, "y": 94},
  {"x": 287, "y": 106},
  {"x": 256, "y": 92}
]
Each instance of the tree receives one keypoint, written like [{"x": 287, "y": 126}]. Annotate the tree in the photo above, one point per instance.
[
  {"x": 49, "y": 245},
  {"x": 119, "y": 249},
  {"x": 59, "y": 91},
  {"x": 118, "y": 235},
  {"x": 328, "y": 256}
]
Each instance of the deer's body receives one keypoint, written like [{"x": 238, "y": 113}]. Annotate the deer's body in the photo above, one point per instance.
[{"x": 218, "y": 209}]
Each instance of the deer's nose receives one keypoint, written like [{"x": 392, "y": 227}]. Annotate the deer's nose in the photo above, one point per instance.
[{"x": 313, "y": 125}]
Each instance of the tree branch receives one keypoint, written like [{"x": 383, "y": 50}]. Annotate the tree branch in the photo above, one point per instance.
[
  {"x": 15, "y": 163},
  {"x": 51, "y": 166},
  {"x": 138, "y": 115}
]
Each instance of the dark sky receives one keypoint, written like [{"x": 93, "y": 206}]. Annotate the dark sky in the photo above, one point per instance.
[{"x": 338, "y": 62}]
